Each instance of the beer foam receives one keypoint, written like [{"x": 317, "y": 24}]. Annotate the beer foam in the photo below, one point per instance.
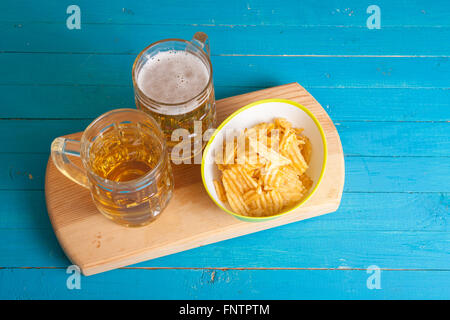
[{"x": 172, "y": 77}]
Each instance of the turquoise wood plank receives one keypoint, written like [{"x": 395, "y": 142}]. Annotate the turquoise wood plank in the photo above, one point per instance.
[
  {"x": 289, "y": 246},
  {"x": 394, "y": 211},
  {"x": 395, "y": 138},
  {"x": 376, "y": 138},
  {"x": 94, "y": 69},
  {"x": 225, "y": 284},
  {"x": 63, "y": 101},
  {"x": 391, "y": 230},
  {"x": 19, "y": 171},
  {"x": 379, "y": 104},
  {"x": 405, "y": 174},
  {"x": 25, "y": 174},
  {"x": 37, "y": 135},
  {"x": 235, "y": 12},
  {"x": 25, "y": 209},
  {"x": 225, "y": 40}
]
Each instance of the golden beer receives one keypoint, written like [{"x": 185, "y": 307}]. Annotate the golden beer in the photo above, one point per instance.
[
  {"x": 126, "y": 166},
  {"x": 124, "y": 154}
]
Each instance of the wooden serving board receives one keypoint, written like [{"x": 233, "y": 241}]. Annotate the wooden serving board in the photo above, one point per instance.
[{"x": 191, "y": 219}]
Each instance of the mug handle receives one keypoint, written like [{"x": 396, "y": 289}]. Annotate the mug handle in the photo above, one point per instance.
[
  {"x": 60, "y": 149},
  {"x": 201, "y": 39}
]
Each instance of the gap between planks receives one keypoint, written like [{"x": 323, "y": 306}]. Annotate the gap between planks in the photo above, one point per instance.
[
  {"x": 239, "y": 268},
  {"x": 240, "y": 54},
  {"x": 233, "y": 25},
  {"x": 222, "y": 86}
]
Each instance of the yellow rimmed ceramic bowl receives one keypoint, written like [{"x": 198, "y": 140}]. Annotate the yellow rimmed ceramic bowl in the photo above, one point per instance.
[{"x": 266, "y": 111}]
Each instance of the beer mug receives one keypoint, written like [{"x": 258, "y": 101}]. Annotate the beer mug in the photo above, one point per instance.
[
  {"x": 172, "y": 82},
  {"x": 125, "y": 165}
]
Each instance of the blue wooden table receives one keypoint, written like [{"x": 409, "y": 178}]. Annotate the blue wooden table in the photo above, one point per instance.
[{"x": 382, "y": 73}]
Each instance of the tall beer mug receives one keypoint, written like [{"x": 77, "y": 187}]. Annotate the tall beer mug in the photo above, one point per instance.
[{"x": 173, "y": 82}]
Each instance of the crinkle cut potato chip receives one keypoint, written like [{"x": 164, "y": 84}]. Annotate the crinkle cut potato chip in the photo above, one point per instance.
[{"x": 263, "y": 170}]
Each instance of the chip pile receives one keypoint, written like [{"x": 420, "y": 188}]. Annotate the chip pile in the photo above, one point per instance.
[{"x": 263, "y": 169}]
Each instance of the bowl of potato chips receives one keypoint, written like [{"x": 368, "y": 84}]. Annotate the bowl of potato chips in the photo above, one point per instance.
[{"x": 265, "y": 160}]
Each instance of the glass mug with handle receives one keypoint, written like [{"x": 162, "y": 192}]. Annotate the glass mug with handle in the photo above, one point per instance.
[
  {"x": 172, "y": 81},
  {"x": 125, "y": 165}
]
